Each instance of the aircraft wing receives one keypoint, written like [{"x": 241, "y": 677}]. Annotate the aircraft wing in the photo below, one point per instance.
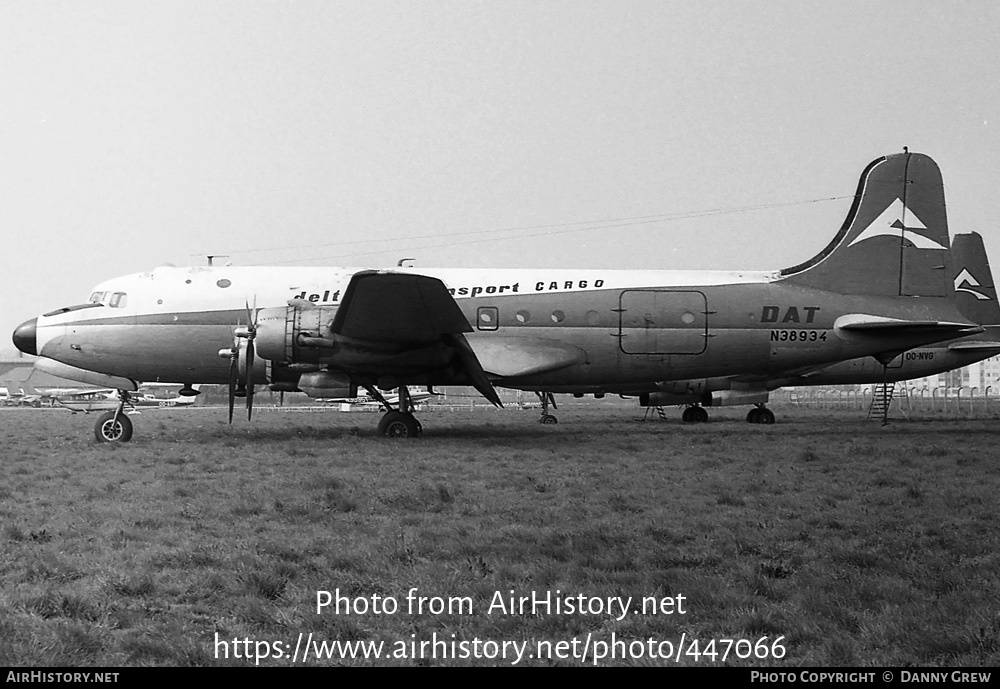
[
  {"x": 510, "y": 357},
  {"x": 412, "y": 311},
  {"x": 398, "y": 308}
]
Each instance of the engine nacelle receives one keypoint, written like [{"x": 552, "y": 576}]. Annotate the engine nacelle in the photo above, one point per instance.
[
  {"x": 716, "y": 398},
  {"x": 299, "y": 333},
  {"x": 282, "y": 378},
  {"x": 667, "y": 399},
  {"x": 694, "y": 386},
  {"x": 735, "y": 398},
  {"x": 327, "y": 384}
]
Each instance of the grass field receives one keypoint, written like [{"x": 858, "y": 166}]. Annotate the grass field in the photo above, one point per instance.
[{"x": 858, "y": 544}]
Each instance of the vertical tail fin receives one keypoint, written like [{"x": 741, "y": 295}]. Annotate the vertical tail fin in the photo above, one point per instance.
[
  {"x": 894, "y": 241},
  {"x": 975, "y": 291}
]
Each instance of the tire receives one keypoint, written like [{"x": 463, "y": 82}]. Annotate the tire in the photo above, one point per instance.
[
  {"x": 397, "y": 424},
  {"x": 548, "y": 419},
  {"x": 753, "y": 416},
  {"x": 765, "y": 417},
  {"x": 699, "y": 415},
  {"x": 107, "y": 430}
]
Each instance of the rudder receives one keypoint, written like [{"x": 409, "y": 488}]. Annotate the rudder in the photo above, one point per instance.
[{"x": 894, "y": 241}]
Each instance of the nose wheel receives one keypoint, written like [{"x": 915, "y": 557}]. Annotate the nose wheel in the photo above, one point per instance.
[{"x": 114, "y": 426}]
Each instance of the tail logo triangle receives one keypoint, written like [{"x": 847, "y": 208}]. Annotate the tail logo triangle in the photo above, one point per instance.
[
  {"x": 896, "y": 219},
  {"x": 966, "y": 281}
]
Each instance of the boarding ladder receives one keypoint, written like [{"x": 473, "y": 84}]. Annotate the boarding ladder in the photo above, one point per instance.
[
  {"x": 882, "y": 398},
  {"x": 659, "y": 410}
]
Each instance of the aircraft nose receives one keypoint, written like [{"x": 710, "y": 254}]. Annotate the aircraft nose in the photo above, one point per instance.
[{"x": 24, "y": 337}]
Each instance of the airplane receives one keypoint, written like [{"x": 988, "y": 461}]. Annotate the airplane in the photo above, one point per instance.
[
  {"x": 18, "y": 398},
  {"x": 105, "y": 399},
  {"x": 880, "y": 288},
  {"x": 975, "y": 295},
  {"x": 30, "y": 396},
  {"x": 415, "y": 398},
  {"x": 96, "y": 399}
]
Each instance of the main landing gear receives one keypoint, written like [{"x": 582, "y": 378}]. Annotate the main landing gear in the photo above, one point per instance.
[
  {"x": 760, "y": 414},
  {"x": 397, "y": 423},
  {"x": 694, "y": 414},
  {"x": 547, "y": 398},
  {"x": 114, "y": 426}
]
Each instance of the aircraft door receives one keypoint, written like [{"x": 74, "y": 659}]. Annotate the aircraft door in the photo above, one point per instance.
[{"x": 656, "y": 321}]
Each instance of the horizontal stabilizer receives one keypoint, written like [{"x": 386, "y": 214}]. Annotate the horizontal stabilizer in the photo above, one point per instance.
[
  {"x": 974, "y": 346},
  {"x": 510, "y": 357},
  {"x": 882, "y": 325}
]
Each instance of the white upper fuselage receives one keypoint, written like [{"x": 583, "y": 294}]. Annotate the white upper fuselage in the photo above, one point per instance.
[{"x": 171, "y": 290}]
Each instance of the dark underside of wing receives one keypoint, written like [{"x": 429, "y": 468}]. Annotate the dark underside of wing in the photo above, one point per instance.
[
  {"x": 412, "y": 318},
  {"x": 398, "y": 308}
]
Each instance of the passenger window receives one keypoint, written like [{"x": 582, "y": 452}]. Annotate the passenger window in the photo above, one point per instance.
[
  {"x": 118, "y": 300},
  {"x": 488, "y": 318}
]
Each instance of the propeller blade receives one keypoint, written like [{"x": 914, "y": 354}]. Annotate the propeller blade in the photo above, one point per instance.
[
  {"x": 250, "y": 355},
  {"x": 234, "y": 375},
  {"x": 252, "y": 315}
]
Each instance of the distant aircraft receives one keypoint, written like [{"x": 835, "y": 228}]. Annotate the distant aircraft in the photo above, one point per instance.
[
  {"x": 975, "y": 296},
  {"x": 94, "y": 399},
  {"x": 368, "y": 400},
  {"x": 105, "y": 399},
  {"x": 18, "y": 398},
  {"x": 880, "y": 288},
  {"x": 34, "y": 397}
]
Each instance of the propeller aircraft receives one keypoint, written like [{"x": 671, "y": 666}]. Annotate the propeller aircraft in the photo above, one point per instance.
[{"x": 881, "y": 287}]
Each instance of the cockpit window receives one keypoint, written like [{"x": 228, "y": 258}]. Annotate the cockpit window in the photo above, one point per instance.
[
  {"x": 118, "y": 300},
  {"x": 97, "y": 297},
  {"x": 75, "y": 307}
]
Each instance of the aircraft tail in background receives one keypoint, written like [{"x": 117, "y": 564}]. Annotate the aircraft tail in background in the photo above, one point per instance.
[{"x": 975, "y": 291}]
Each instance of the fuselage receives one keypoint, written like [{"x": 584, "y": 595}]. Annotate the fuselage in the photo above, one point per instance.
[{"x": 630, "y": 327}]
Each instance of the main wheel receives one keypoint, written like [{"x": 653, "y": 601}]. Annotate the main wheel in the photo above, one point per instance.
[
  {"x": 766, "y": 416},
  {"x": 753, "y": 416},
  {"x": 109, "y": 430},
  {"x": 397, "y": 424},
  {"x": 699, "y": 415}
]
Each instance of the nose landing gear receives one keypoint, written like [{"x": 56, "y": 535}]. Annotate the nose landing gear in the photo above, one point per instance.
[{"x": 114, "y": 426}]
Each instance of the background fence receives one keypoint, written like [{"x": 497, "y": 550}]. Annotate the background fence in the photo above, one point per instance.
[{"x": 959, "y": 402}]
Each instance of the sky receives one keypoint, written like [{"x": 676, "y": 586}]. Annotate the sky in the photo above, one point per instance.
[{"x": 630, "y": 134}]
